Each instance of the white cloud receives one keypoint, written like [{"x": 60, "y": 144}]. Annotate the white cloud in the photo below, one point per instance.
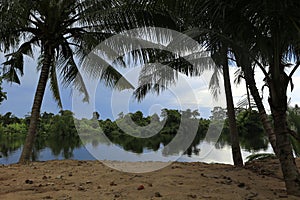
[{"x": 187, "y": 93}]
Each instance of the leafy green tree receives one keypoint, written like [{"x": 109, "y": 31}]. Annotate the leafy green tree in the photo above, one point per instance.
[
  {"x": 121, "y": 115},
  {"x": 96, "y": 115},
  {"x": 16, "y": 129},
  {"x": 9, "y": 118},
  {"x": 187, "y": 113},
  {"x": 195, "y": 114},
  {"x": 218, "y": 113},
  {"x": 63, "y": 129},
  {"x": 155, "y": 118},
  {"x": 251, "y": 131},
  {"x": 138, "y": 118}
]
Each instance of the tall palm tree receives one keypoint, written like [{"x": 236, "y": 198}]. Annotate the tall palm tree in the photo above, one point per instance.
[
  {"x": 279, "y": 48},
  {"x": 246, "y": 65},
  {"x": 219, "y": 19},
  {"x": 256, "y": 32},
  {"x": 183, "y": 13},
  {"x": 221, "y": 59},
  {"x": 259, "y": 35},
  {"x": 60, "y": 30}
]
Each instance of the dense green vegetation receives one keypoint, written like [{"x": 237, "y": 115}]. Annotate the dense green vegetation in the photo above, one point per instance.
[{"x": 58, "y": 132}]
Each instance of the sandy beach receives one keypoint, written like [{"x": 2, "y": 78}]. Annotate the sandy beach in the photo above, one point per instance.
[{"x": 70, "y": 179}]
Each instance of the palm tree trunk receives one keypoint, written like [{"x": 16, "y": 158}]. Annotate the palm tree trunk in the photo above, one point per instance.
[
  {"x": 245, "y": 64},
  {"x": 235, "y": 145},
  {"x": 288, "y": 166},
  {"x": 250, "y": 81},
  {"x": 278, "y": 103},
  {"x": 35, "y": 111}
]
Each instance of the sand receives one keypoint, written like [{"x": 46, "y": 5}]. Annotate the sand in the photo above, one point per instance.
[{"x": 71, "y": 179}]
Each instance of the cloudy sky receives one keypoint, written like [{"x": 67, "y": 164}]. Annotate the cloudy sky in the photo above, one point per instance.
[{"x": 190, "y": 93}]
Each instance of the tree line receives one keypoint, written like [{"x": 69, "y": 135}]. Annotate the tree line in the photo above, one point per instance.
[{"x": 59, "y": 133}]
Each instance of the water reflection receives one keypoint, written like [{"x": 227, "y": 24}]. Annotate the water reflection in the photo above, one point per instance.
[
  {"x": 9, "y": 144},
  {"x": 63, "y": 142}
]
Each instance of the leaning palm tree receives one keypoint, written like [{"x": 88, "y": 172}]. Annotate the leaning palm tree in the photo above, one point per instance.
[
  {"x": 256, "y": 31},
  {"x": 279, "y": 49},
  {"x": 59, "y": 30},
  {"x": 219, "y": 20},
  {"x": 208, "y": 18},
  {"x": 182, "y": 13}
]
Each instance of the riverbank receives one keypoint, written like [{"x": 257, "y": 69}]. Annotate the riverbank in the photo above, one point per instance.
[{"x": 71, "y": 179}]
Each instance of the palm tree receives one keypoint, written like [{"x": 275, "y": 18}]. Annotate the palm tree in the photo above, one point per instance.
[
  {"x": 256, "y": 33},
  {"x": 180, "y": 11},
  {"x": 249, "y": 76},
  {"x": 61, "y": 30},
  {"x": 278, "y": 49},
  {"x": 222, "y": 63},
  {"x": 216, "y": 12},
  {"x": 208, "y": 17}
]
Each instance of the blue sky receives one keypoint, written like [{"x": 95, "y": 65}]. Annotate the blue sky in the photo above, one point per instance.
[{"x": 109, "y": 102}]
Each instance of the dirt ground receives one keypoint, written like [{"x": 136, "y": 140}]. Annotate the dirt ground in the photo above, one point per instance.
[{"x": 71, "y": 179}]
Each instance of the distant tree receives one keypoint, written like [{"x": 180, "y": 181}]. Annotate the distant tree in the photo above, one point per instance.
[
  {"x": 195, "y": 114},
  {"x": 218, "y": 113},
  {"x": 121, "y": 115},
  {"x": 96, "y": 115},
  {"x": 187, "y": 113},
  {"x": 155, "y": 117},
  {"x": 137, "y": 117}
]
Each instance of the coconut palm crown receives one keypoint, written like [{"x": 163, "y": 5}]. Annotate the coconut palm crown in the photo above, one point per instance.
[{"x": 62, "y": 33}]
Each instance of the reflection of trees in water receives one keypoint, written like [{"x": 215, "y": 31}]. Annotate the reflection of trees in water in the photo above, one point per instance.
[
  {"x": 58, "y": 133},
  {"x": 9, "y": 144},
  {"x": 251, "y": 133},
  {"x": 161, "y": 133},
  {"x": 61, "y": 135}
]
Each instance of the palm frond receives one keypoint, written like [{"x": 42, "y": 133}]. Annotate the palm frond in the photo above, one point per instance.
[
  {"x": 260, "y": 156},
  {"x": 214, "y": 83},
  {"x": 238, "y": 76},
  {"x": 54, "y": 87},
  {"x": 69, "y": 71},
  {"x": 99, "y": 68}
]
